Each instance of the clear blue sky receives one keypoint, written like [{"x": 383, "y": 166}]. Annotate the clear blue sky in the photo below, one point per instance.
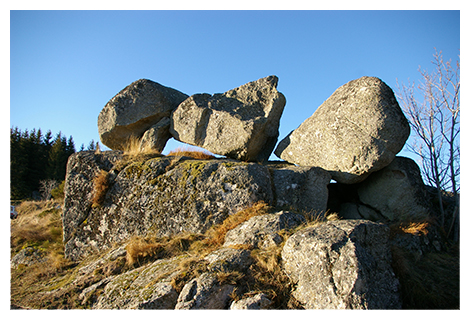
[{"x": 66, "y": 65}]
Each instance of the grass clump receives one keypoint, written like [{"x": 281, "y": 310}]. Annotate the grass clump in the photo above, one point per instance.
[
  {"x": 411, "y": 227},
  {"x": 192, "y": 153},
  {"x": 133, "y": 146},
  {"x": 141, "y": 250},
  {"x": 100, "y": 188},
  {"x": 216, "y": 234}
]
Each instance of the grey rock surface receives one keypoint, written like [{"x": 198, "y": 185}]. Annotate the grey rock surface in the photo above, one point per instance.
[
  {"x": 397, "y": 191},
  {"x": 161, "y": 196},
  {"x": 229, "y": 259},
  {"x": 134, "y": 110},
  {"x": 156, "y": 136},
  {"x": 358, "y": 130},
  {"x": 241, "y": 123},
  {"x": 204, "y": 292},
  {"x": 147, "y": 287},
  {"x": 257, "y": 302},
  {"x": 304, "y": 188},
  {"x": 263, "y": 231},
  {"x": 343, "y": 264},
  {"x": 28, "y": 256}
]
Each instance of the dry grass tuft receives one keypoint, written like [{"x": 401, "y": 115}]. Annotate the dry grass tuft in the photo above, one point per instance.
[
  {"x": 133, "y": 146},
  {"x": 216, "y": 235},
  {"x": 410, "y": 227},
  {"x": 100, "y": 188},
  {"x": 190, "y": 268},
  {"x": 192, "y": 153},
  {"x": 270, "y": 278},
  {"x": 142, "y": 250}
]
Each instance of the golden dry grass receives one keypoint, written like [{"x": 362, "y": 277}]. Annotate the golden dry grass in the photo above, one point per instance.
[
  {"x": 100, "y": 188},
  {"x": 38, "y": 223},
  {"x": 140, "y": 250},
  {"x": 133, "y": 146},
  {"x": 410, "y": 227},
  {"x": 192, "y": 153},
  {"x": 216, "y": 234}
]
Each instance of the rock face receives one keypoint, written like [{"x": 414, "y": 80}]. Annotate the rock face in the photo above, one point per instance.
[
  {"x": 159, "y": 196},
  {"x": 136, "y": 109},
  {"x": 162, "y": 196},
  {"x": 142, "y": 288},
  {"x": 263, "y": 231},
  {"x": 342, "y": 265},
  {"x": 394, "y": 193},
  {"x": 241, "y": 123},
  {"x": 301, "y": 187},
  {"x": 28, "y": 256},
  {"x": 204, "y": 292},
  {"x": 357, "y": 130},
  {"x": 82, "y": 168},
  {"x": 257, "y": 302},
  {"x": 397, "y": 191}
]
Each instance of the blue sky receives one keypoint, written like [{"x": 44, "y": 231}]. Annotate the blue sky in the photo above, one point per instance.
[{"x": 66, "y": 65}]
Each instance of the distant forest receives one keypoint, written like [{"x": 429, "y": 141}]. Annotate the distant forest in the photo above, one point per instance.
[{"x": 36, "y": 157}]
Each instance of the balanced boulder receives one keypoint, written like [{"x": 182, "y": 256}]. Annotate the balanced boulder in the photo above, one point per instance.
[
  {"x": 136, "y": 109},
  {"x": 241, "y": 124},
  {"x": 357, "y": 130}
]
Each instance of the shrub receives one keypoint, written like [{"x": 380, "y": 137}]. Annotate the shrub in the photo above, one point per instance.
[{"x": 58, "y": 193}]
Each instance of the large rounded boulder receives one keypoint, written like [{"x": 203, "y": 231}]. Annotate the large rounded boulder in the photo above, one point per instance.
[
  {"x": 136, "y": 109},
  {"x": 358, "y": 130}
]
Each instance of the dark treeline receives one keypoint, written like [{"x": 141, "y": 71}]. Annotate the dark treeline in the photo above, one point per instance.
[{"x": 34, "y": 157}]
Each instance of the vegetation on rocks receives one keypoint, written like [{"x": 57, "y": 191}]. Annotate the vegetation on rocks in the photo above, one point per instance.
[{"x": 59, "y": 283}]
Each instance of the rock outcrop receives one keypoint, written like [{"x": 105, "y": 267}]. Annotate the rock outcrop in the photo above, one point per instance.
[
  {"x": 263, "y": 231},
  {"x": 397, "y": 191},
  {"x": 342, "y": 265},
  {"x": 394, "y": 193},
  {"x": 137, "y": 108},
  {"x": 353, "y": 137},
  {"x": 257, "y": 302},
  {"x": 147, "y": 287},
  {"x": 303, "y": 188},
  {"x": 28, "y": 256},
  {"x": 358, "y": 130},
  {"x": 241, "y": 123},
  {"x": 205, "y": 292},
  {"x": 160, "y": 196}
]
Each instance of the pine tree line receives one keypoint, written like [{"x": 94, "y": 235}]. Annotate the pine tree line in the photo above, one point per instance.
[{"x": 36, "y": 157}]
